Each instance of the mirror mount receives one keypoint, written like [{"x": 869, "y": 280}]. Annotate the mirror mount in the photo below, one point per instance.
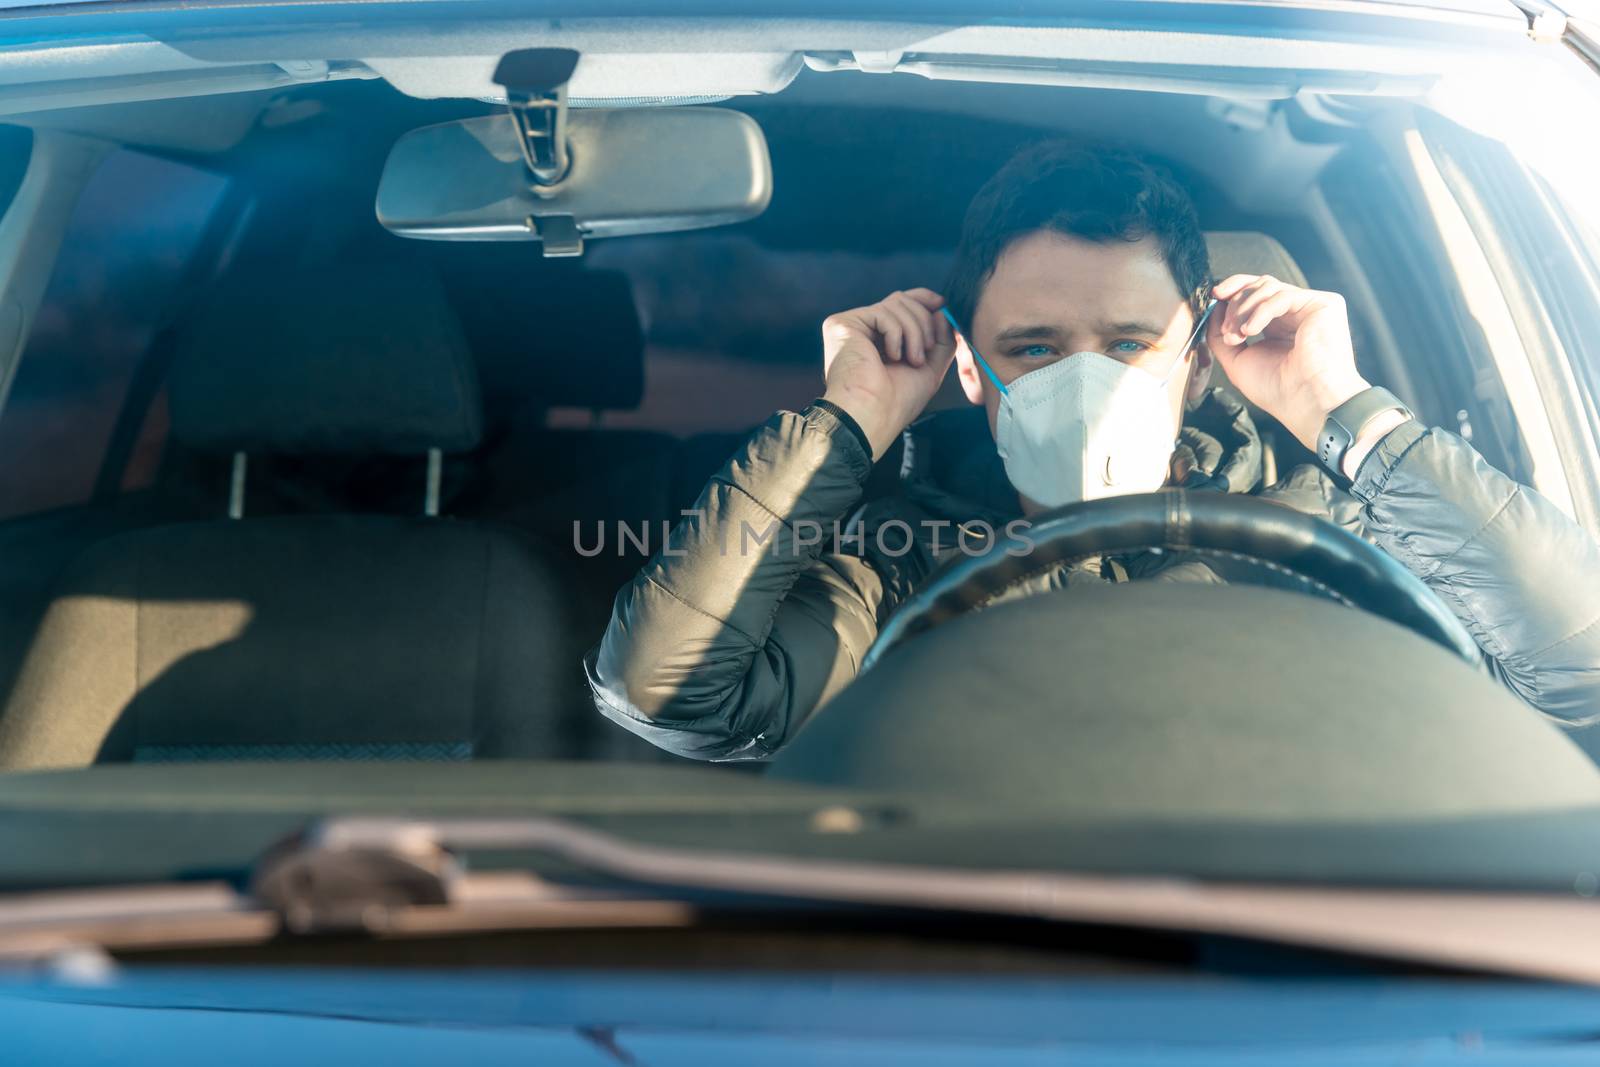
[
  {"x": 559, "y": 234},
  {"x": 535, "y": 81}
]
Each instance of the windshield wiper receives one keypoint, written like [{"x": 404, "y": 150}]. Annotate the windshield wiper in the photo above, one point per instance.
[
  {"x": 390, "y": 874},
  {"x": 397, "y": 877}
]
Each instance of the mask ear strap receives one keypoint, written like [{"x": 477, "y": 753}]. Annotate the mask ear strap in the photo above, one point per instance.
[
  {"x": 1188, "y": 346},
  {"x": 983, "y": 363},
  {"x": 1199, "y": 327}
]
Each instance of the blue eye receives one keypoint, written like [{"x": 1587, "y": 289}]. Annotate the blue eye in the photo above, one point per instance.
[
  {"x": 1034, "y": 352},
  {"x": 1127, "y": 348}
]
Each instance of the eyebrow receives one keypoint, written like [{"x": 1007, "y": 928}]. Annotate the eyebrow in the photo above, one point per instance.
[
  {"x": 1136, "y": 327},
  {"x": 1027, "y": 333},
  {"x": 1047, "y": 333}
]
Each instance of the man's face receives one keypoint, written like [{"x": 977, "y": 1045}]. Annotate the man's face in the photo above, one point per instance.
[{"x": 1052, "y": 295}]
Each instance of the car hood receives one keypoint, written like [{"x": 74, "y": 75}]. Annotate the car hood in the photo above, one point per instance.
[{"x": 180, "y": 1016}]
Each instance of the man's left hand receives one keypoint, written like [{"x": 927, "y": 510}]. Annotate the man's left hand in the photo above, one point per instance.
[{"x": 1302, "y": 367}]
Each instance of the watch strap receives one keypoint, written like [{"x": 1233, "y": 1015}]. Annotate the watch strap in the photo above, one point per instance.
[{"x": 1345, "y": 423}]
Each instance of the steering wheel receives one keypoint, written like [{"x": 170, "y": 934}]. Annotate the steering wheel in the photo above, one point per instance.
[{"x": 1324, "y": 559}]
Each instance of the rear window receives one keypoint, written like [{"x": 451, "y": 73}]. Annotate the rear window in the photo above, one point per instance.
[{"x": 733, "y": 326}]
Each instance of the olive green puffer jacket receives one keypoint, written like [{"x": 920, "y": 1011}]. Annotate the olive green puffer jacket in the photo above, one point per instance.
[{"x": 765, "y": 598}]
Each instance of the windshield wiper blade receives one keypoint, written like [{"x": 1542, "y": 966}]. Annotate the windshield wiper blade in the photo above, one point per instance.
[
  {"x": 341, "y": 875},
  {"x": 388, "y": 874},
  {"x": 400, "y": 877},
  {"x": 391, "y": 875}
]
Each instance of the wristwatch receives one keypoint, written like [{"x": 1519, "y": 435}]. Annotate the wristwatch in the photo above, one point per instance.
[{"x": 1346, "y": 422}]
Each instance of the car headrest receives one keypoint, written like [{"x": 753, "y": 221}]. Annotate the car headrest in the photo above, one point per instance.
[
  {"x": 1248, "y": 252},
  {"x": 354, "y": 359},
  {"x": 557, "y": 338}
]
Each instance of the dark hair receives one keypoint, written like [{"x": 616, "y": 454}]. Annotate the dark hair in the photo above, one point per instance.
[{"x": 1097, "y": 194}]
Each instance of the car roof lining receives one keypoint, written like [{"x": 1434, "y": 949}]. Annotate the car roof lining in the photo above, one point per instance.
[
  {"x": 1276, "y": 51},
  {"x": 229, "y": 132},
  {"x": 176, "y": 88}
]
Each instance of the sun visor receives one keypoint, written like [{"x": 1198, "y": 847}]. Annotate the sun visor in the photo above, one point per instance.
[{"x": 603, "y": 78}]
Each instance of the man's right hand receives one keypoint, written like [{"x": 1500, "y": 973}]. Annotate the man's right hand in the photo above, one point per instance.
[{"x": 884, "y": 362}]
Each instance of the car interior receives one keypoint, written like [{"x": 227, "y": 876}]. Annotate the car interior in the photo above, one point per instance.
[{"x": 280, "y": 484}]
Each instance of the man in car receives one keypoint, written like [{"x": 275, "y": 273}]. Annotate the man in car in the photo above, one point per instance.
[{"x": 1080, "y": 285}]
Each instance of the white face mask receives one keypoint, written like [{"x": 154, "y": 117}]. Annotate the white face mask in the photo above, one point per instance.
[{"x": 1087, "y": 426}]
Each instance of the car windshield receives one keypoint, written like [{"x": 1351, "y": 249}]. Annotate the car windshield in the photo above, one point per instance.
[{"x": 793, "y": 436}]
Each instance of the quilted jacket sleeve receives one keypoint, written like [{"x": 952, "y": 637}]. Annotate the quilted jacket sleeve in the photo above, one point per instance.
[
  {"x": 746, "y": 621},
  {"x": 1522, "y": 576}
]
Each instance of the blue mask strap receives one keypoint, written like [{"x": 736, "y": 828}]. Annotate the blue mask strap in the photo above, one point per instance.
[
  {"x": 993, "y": 377},
  {"x": 1199, "y": 328}
]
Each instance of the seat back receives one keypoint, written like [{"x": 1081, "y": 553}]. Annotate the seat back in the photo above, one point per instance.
[
  {"x": 576, "y": 353},
  {"x": 309, "y": 636}
]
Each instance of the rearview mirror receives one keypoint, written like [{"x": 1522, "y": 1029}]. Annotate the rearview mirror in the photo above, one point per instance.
[{"x": 630, "y": 171}]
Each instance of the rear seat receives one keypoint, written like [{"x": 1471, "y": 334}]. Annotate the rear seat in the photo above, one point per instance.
[
  {"x": 311, "y": 635},
  {"x": 576, "y": 344}
]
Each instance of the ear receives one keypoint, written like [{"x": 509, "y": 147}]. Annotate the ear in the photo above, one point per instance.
[
  {"x": 967, "y": 371},
  {"x": 1200, "y": 380}
]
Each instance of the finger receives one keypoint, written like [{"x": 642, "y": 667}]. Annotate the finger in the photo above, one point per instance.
[
  {"x": 1221, "y": 348},
  {"x": 913, "y": 318},
  {"x": 1240, "y": 303},
  {"x": 918, "y": 328},
  {"x": 1251, "y": 282},
  {"x": 1225, "y": 313},
  {"x": 1244, "y": 304},
  {"x": 893, "y": 347},
  {"x": 1279, "y": 305},
  {"x": 892, "y": 331},
  {"x": 926, "y": 297},
  {"x": 889, "y": 333},
  {"x": 1230, "y": 285}
]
